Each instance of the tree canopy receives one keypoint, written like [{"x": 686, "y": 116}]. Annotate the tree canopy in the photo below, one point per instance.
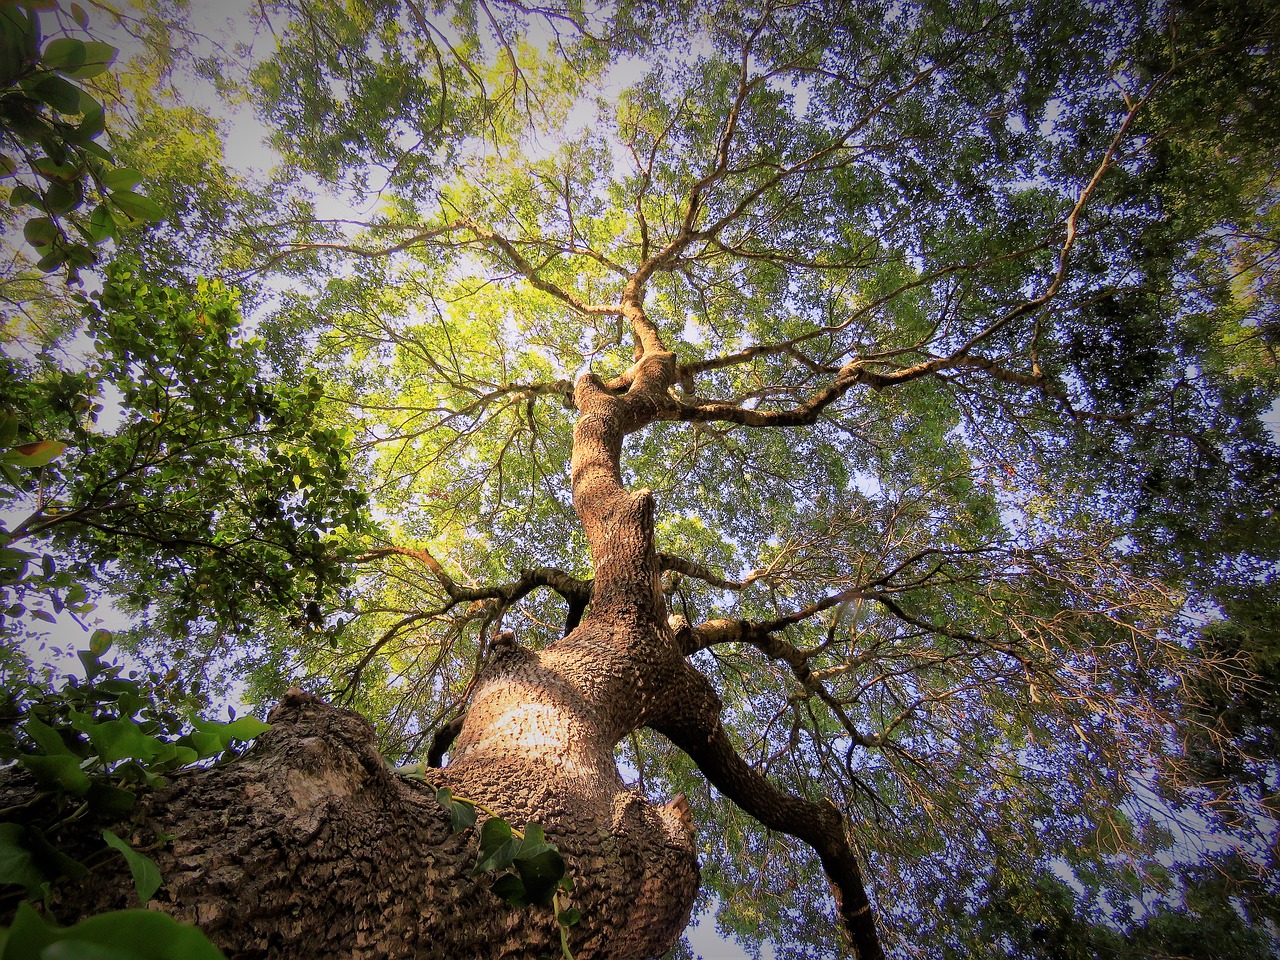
[{"x": 964, "y": 488}]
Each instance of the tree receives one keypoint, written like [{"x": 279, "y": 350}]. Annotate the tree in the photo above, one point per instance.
[{"x": 909, "y": 367}]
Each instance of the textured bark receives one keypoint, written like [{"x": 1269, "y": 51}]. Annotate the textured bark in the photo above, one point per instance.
[{"x": 310, "y": 846}]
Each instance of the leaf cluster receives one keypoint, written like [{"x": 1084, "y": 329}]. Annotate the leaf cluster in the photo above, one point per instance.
[{"x": 49, "y": 130}]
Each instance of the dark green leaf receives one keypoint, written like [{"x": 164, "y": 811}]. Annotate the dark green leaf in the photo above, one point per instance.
[
  {"x": 461, "y": 816},
  {"x": 23, "y": 195},
  {"x": 108, "y": 799},
  {"x": 146, "y": 875},
  {"x": 541, "y": 874},
  {"x": 510, "y": 888},
  {"x": 497, "y": 846},
  {"x": 17, "y": 866},
  {"x": 59, "y": 93},
  {"x": 45, "y": 736}
]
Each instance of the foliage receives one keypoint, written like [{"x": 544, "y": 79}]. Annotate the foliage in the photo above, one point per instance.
[
  {"x": 529, "y": 869},
  {"x": 50, "y": 127},
  {"x": 87, "y": 749},
  {"x": 228, "y": 487},
  {"x": 974, "y": 306}
]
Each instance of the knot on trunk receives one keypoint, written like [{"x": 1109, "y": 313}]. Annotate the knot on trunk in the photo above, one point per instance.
[{"x": 309, "y": 735}]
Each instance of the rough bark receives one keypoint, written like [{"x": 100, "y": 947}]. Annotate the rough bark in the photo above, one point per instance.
[{"x": 310, "y": 846}]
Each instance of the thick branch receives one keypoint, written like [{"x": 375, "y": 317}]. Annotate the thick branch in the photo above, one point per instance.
[
  {"x": 690, "y": 568},
  {"x": 699, "y": 733}
]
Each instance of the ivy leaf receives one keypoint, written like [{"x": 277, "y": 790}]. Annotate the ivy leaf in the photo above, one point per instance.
[
  {"x": 47, "y": 738},
  {"x": 461, "y": 816},
  {"x": 242, "y": 728},
  {"x": 534, "y": 844},
  {"x": 61, "y": 772},
  {"x": 149, "y": 935},
  {"x": 541, "y": 874},
  {"x": 146, "y": 875},
  {"x": 17, "y": 866},
  {"x": 497, "y": 846},
  {"x": 510, "y": 888}
]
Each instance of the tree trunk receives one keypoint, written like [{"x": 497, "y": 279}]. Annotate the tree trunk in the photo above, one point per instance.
[{"x": 310, "y": 846}]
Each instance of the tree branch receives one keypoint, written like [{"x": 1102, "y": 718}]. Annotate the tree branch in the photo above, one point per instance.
[{"x": 699, "y": 732}]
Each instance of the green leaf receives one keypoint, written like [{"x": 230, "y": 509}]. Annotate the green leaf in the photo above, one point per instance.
[
  {"x": 40, "y": 232},
  {"x": 121, "y": 178},
  {"x": 497, "y": 846},
  {"x": 137, "y": 206},
  {"x": 22, "y": 195},
  {"x": 242, "y": 728},
  {"x": 97, "y": 60},
  {"x": 461, "y": 816},
  {"x": 8, "y": 427},
  {"x": 510, "y": 888},
  {"x": 17, "y": 866},
  {"x": 569, "y": 917},
  {"x": 122, "y": 739},
  {"x": 65, "y": 171},
  {"x": 81, "y": 950},
  {"x": 535, "y": 842},
  {"x": 60, "y": 198},
  {"x": 64, "y": 53},
  {"x": 61, "y": 772},
  {"x": 59, "y": 93},
  {"x": 102, "y": 225},
  {"x": 146, "y": 875},
  {"x": 137, "y": 934},
  {"x": 50, "y": 859},
  {"x": 541, "y": 874},
  {"x": 80, "y": 16},
  {"x": 46, "y": 738},
  {"x": 108, "y": 799}
]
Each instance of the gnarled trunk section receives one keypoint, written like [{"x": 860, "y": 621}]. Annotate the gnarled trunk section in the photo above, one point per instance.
[{"x": 310, "y": 846}]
